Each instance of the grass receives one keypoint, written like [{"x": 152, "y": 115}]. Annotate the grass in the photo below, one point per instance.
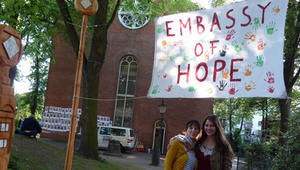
[{"x": 32, "y": 154}]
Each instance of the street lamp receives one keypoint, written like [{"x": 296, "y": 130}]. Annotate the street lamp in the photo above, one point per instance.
[{"x": 157, "y": 145}]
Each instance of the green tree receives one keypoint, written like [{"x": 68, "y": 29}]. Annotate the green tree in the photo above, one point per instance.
[
  {"x": 291, "y": 61},
  {"x": 233, "y": 113},
  {"x": 34, "y": 20}
]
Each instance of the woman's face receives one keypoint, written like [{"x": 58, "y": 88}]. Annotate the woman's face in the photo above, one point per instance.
[
  {"x": 192, "y": 131},
  {"x": 209, "y": 128}
]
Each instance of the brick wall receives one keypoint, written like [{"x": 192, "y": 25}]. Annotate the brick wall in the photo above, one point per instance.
[{"x": 122, "y": 42}]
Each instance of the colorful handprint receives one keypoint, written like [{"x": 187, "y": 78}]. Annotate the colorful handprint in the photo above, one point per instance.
[
  {"x": 248, "y": 71},
  {"x": 259, "y": 61},
  {"x": 250, "y": 86},
  {"x": 232, "y": 89},
  {"x": 250, "y": 37},
  {"x": 225, "y": 73},
  {"x": 261, "y": 44},
  {"x": 270, "y": 78},
  {"x": 230, "y": 35}
]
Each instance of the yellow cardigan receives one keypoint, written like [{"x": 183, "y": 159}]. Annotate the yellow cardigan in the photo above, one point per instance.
[{"x": 176, "y": 151}]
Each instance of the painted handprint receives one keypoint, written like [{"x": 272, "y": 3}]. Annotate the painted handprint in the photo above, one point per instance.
[
  {"x": 225, "y": 74},
  {"x": 250, "y": 37},
  {"x": 250, "y": 86},
  {"x": 271, "y": 89},
  {"x": 210, "y": 90},
  {"x": 261, "y": 44},
  {"x": 172, "y": 58},
  {"x": 237, "y": 46},
  {"x": 271, "y": 28},
  {"x": 165, "y": 75},
  {"x": 191, "y": 89},
  {"x": 163, "y": 57},
  {"x": 223, "y": 51},
  {"x": 255, "y": 24},
  {"x": 178, "y": 43},
  {"x": 169, "y": 88},
  {"x": 155, "y": 89},
  {"x": 276, "y": 10},
  {"x": 259, "y": 61},
  {"x": 248, "y": 71},
  {"x": 232, "y": 89},
  {"x": 206, "y": 56},
  {"x": 222, "y": 86},
  {"x": 159, "y": 28},
  {"x": 270, "y": 78},
  {"x": 164, "y": 43},
  {"x": 230, "y": 35},
  {"x": 185, "y": 58}
]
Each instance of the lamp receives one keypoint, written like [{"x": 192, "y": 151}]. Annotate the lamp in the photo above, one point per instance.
[
  {"x": 162, "y": 108},
  {"x": 156, "y": 152}
]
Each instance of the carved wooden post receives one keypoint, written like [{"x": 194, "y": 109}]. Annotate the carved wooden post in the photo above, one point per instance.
[
  {"x": 10, "y": 54},
  {"x": 86, "y": 8}
]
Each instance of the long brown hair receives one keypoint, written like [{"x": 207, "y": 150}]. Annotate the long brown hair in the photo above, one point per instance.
[{"x": 221, "y": 142}]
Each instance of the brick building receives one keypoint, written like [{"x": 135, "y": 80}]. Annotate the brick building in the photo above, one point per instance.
[{"x": 126, "y": 72}]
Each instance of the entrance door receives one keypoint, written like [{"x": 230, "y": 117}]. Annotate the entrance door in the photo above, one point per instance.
[{"x": 156, "y": 134}]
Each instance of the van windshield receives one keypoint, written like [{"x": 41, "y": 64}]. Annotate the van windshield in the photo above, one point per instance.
[{"x": 131, "y": 133}]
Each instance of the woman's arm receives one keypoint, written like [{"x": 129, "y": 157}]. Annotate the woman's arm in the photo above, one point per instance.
[{"x": 227, "y": 161}]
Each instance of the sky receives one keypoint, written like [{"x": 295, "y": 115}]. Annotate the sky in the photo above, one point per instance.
[{"x": 23, "y": 85}]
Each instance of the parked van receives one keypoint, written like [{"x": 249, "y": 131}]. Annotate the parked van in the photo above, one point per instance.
[{"x": 122, "y": 134}]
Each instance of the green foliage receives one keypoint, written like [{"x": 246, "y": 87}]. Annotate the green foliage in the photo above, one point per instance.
[
  {"x": 271, "y": 155},
  {"x": 288, "y": 156},
  {"x": 23, "y": 108},
  {"x": 239, "y": 108},
  {"x": 34, "y": 20},
  {"x": 257, "y": 155}
]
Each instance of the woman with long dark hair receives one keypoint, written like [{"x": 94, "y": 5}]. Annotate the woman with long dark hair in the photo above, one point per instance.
[
  {"x": 213, "y": 151},
  {"x": 181, "y": 153}
]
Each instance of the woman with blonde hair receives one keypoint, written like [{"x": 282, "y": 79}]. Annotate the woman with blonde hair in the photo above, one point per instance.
[
  {"x": 213, "y": 151},
  {"x": 181, "y": 155}
]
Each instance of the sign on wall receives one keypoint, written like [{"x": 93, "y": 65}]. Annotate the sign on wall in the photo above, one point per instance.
[{"x": 230, "y": 51}]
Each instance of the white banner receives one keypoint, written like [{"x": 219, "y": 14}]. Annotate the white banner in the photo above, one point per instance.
[{"x": 230, "y": 51}]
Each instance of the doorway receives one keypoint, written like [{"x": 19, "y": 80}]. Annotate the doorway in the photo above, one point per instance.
[{"x": 156, "y": 134}]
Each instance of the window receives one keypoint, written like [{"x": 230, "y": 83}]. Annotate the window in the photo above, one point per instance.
[
  {"x": 134, "y": 20},
  {"x": 125, "y": 92},
  {"x": 105, "y": 131},
  {"x": 118, "y": 132}
]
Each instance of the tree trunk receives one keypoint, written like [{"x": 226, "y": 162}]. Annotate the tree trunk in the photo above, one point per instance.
[
  {"x": 36, "y": 85},
  {"x": 91, "y": 75},
  {"x": 285, "y": 105},
  {"x": 88, "y": 119}
]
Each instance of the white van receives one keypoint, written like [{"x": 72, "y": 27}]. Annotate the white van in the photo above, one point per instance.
[{"x": 122, "y": 134}]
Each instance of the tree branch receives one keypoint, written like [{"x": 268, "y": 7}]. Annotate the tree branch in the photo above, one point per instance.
[
  {"x": 113, "y": 15},
  {"x": 72, "y": 34},
  {"x": 295, "y": 77}
]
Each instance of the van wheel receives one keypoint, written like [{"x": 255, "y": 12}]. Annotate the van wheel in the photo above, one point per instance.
[{"x": 123, "y": 150}]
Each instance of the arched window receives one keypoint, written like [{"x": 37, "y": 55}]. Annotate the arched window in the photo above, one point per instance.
[{"x": 125, "y": 92}]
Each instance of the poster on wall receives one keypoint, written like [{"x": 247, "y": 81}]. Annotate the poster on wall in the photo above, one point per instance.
[{"x": 231, "y": 51}]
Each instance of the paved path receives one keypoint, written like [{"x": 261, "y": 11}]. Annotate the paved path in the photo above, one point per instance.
[{"x": 139, "y": 159}]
